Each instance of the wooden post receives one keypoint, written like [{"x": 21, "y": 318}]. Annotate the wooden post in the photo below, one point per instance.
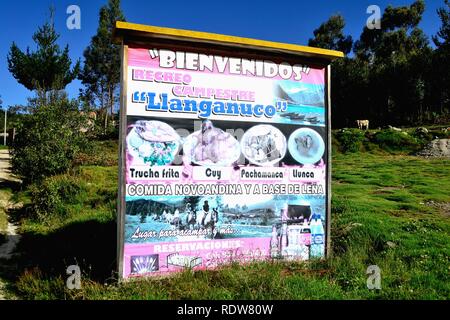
[
  {"x": 122, "y": 159},
  {"x": 4, "y": 132},
  {"x": 329, "y": 156}
]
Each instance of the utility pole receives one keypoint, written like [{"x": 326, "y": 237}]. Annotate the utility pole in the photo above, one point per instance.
[{"x": 4, "y": 133}]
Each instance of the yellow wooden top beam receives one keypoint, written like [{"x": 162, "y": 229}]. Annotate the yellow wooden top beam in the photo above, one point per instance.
[{"x": 124, "y": 30}]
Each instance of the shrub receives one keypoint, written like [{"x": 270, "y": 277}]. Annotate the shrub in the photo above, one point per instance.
[
  {"x": 48, "y": 140},
  {"x": 111, "y": 132},
  {"x": 422, "y": 136},
  {"x": 392, "y": 140},
  {"x": 100, "y": 153},
  {"x": 34, "y": 285},
  {"x": 51, "y": 196},
  {"x": 350, "y": 140},
  {"x": 439, "y": 134}
]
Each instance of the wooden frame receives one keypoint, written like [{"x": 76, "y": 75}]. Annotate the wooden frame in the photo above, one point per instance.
[
  {"x": 329, "y": 156},
  {"x": 128, "y": 33},
  {"x": 122, "y": 167}
]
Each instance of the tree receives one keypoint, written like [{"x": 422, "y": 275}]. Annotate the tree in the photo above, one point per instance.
[
  {"x": 101, "y": 72},
  {"x": 442, "y": 39},
  {"x": 330, "y": 35},
  {"x": 398, "y": 58},
  {"x": 48, "y": 67},
  {"x": 440, "y": 77},
  {"x": 15, "y": 115},
  {"x": 396, "y": 24},
  {"x": 2, "y": 119},
  {"x": 48, "y": 139},
  {"x": 394, "y": 74},
  {"x": 345, "y": 75}
]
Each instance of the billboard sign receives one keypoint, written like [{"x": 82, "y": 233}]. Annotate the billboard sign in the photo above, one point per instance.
[{"x": 224, "y": 158}]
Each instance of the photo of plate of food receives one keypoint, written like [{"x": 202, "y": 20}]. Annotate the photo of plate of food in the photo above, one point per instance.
[
  {"x": 152, "y": 142},
  {"x": 263, "y": 145},
  {"x": 306, "y": 146},
  {"x": 211, "y": 146}
]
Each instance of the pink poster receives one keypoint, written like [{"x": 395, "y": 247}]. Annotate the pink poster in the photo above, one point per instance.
[{"x": 225, "y": 161}]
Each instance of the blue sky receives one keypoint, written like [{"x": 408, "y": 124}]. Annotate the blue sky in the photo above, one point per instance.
[{"x": 282, "y": 21}]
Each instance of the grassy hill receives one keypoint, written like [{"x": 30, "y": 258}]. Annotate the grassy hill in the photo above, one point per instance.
[{"x": 388, "y": 209}]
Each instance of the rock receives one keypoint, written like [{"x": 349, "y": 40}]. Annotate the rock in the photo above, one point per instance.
[
  {"x": 421, "y": 130},
  {"x": 394, "y": 128},
  {"x": 352, "y": 225},
  {"x": 438, "y": 148},
  {"x": 391, "y": 244}
]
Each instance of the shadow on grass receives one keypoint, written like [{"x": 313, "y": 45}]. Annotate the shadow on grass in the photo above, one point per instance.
[
  {"x": 90, "y": 244},
  {"x": 13, "y": 185},
  {"x": 17, "y": 214}
]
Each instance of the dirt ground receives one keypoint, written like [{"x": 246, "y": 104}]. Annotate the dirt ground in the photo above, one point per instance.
[{"x": 12, "y": 238}]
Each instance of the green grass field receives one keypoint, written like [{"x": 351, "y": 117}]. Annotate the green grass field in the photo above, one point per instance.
[
  {"x": 4, "y": 195},
  {"x": 387, "y": 210}
]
